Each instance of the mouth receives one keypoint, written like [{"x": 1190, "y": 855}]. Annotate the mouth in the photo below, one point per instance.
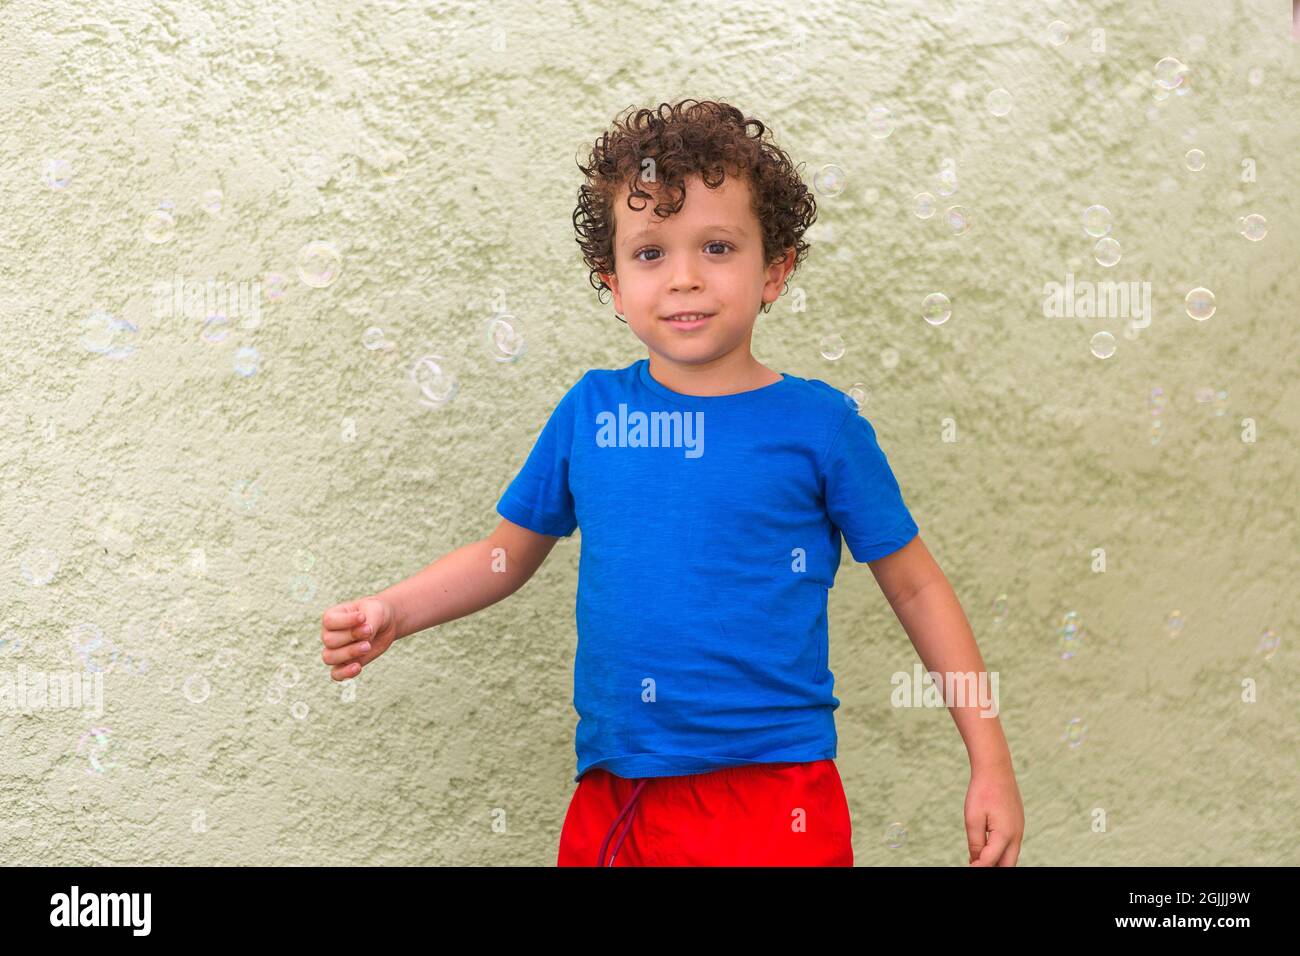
[{"x": 688, "y": 320}]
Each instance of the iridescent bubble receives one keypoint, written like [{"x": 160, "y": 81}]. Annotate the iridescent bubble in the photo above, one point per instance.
[
  {"x": 895, "y": 835},
  {"x": 57, "y": 174},
  {"x": 299, "y": 710},
  {"x": 856, "y": 396},
  {"x": 958, "y": 221},
  {"x": 1195, "y": 160},
  {"x": 1174, "y": 623},
  {"x": 244, "y": 494},
  {"x": 829, "y": 180},
  {"x": 889, "y": 358},
  {"x": 947, "y": 181},
  {"x": 1204, "y": 395},
  {"x": 999, "y": 609},
  {"x": 505, "y": 337},
  {"x": 246, "y": 360},
  {"x": 1254, "y": 227},
  {"x": 879, "y": 122},
  {"x": 304, "y": 560},
  {"x": 212, "y": 202},
  {"x": 1200, "y": 304},
  {"x": 302, "y": 588},
  {"x": 999, "y": 102},
  {"x": 1106, "y": 252},
  {"x": 39, "y": 566},
  {"x": 1161, "y": 94},
  {"x": 1269, "y": 643},
  {"x": 224, "y": 658},
  {"x": 1170, "y": 72},
  {"x": 274, "y": 694},
  {"x": 1058, "y": 32},
  {"x": 1070, "y": 635},
  {"x": 924, "y": 205},
  {"x": 1220, "y": 402},
  {"x": 159, "y": 226},
  {"x": 1096, "y": 221},
  {"x": 1255, "y": 76},
  {"x": 435, "y": 383},
  {"x": 1074, "y": 732},
  {"x": 214, "y": 329},
  {"x": 275, "y": 284},
  {"x": 287, "y": 675},
  {"x": 392, "y": 165},
  {"x": 1103, "y": 345},
  {"x": 373, "y": 338},
  {"x": 936, "y": 308},
  {"x": 319, "y": 264},
  {"x": 196, "y": 688},
  {"x": 832, "y": 346}
]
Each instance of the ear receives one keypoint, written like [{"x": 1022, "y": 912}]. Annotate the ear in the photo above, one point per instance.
[{"x": 611, "y": 280}]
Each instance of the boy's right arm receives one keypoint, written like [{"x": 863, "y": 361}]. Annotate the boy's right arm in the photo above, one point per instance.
[{"x": 457, "y": 584}]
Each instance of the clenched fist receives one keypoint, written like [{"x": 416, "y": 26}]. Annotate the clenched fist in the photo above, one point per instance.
[{"x": 355, "y": 633}]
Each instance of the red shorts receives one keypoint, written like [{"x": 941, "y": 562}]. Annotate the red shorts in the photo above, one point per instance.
[{"x": 765, "y": 814}]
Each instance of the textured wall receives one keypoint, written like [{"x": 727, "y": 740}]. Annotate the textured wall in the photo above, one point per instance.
[{"x": 184, "y": 494}]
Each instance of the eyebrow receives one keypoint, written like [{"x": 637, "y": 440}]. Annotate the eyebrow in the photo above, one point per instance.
[{"x": 651, "y": 231}]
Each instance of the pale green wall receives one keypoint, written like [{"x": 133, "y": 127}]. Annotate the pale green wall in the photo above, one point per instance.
[{"x": 118, "y": 468}]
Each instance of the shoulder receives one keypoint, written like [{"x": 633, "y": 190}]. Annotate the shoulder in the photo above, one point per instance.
[{"x": 821, "y": 402}]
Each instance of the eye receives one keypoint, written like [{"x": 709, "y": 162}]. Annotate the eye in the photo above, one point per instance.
[
  {"x": 719, "y": 242},
  {"x": 637, "y": 255}
]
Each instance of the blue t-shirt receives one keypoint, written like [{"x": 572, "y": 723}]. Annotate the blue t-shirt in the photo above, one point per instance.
[{"x": 711, "y": 530}]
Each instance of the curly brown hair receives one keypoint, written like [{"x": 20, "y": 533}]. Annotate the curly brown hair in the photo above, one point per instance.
[{"x": 689, "y": 137}]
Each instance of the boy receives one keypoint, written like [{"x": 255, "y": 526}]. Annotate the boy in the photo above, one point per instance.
[{"x": 712, "y": 493}]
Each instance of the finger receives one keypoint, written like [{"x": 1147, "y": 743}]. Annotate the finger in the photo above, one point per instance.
[
  {"x": 341, "y": 655},
  {"x": 344, "y": 671},
  {"x": 975, "y": 838},
  {"x": 343, "y": 616},
  {"x": 340, "y": 638},
  {"x": 1012, "y": 855},
  {"x": 992, "y": 851}
]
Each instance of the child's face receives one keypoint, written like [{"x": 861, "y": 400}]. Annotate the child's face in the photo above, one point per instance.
[{"x": 708, "y": 257}]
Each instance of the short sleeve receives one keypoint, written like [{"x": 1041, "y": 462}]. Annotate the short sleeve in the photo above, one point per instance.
[
  {"x": 540, "y": 498},
  {"x": 862, "y": 496}
]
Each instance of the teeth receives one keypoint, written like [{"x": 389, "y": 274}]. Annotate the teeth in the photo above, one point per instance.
[{"x": 687, "y": 318}]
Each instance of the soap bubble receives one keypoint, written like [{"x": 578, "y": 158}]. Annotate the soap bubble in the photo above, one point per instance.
[
  {"x": 856, "y": 396},
  {"x": 1254, "y": 227},
  {"x": 832, "y": 346},
  {"x": 212, "y": 202},
  {"x": 1096, "y": 221},
  {"x": 1103, "y": 345},
  {"x": 196, "y": 688},
  {"x": 879, "y": 122},
  {"x": 889, "y": 358},
  {"x": 1255, "y": 76},
  {"x": 895, "y": 835},
  {"x": 1058, "y": 32},
  {"x": 275, "y": 284},
  {"x": 958, "y": 222},
  {"x": 57, "y": 174},
  {"x": 947, "y": 181},
  {"x": 392, "y": 165},
  {"x": 319, "y": 264},
  {"x": 1174, "y": 623},
  {"x": 373, "y": 338},
  {"x": 505, "y": 337},
  {"x": 159, "y": 226},
  {"x": 936, "y": 308},
  {"x": 924, "y": 205},
  {"x": 1170, "y": 72},
  {"x": 999, "y": 102},
  {"x": 1195, "y": 160},
  {"x": 1106, "y": 252},
  {"x": 435, "y": 384},
  {"x": 829, "y": 180},
  {"x": 1200, "y": 304}
]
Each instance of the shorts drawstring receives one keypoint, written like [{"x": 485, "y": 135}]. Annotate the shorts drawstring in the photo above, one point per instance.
[{"x": 626, "y": 812}]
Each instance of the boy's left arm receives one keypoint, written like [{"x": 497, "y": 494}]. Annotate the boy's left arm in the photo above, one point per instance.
[{"x": 927, "y": 608}]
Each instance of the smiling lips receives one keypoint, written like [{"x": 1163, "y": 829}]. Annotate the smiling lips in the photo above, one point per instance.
[{"x": 688, "y": 320}]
